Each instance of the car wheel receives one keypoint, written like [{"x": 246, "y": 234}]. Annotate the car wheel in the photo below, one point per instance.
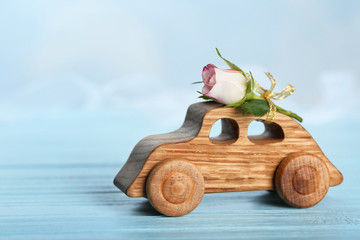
[
  {"x": 175, "y": 187},
  {"x": 302, "y": 180}
]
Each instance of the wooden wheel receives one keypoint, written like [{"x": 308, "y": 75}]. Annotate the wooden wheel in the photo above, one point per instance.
[
  {"x": 302, "y": 180},
  {"x": 175, "y": 187}
]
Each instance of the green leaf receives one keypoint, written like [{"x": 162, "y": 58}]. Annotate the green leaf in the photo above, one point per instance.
[
  {"x": 206, "y": 97},
  {"x": 202, "y": 96},
  {"x": 230, "y": 64},
  {"x": 250, "y": 84},
  {"x": 256, "y": 107},
  {"x": 197, "y": 82},
  {"x": 252, "y": 81}
]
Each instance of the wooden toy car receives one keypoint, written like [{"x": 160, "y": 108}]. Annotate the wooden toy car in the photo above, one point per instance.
[{"x": 174, "y": 170}]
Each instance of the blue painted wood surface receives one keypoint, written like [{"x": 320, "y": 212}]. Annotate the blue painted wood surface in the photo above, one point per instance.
[{"x": 56, "y": 183}]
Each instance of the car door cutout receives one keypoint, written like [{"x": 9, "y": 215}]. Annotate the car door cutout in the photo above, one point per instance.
[
  {"x": 270, "y": 132},
  {"x": 224, "y": 131}
]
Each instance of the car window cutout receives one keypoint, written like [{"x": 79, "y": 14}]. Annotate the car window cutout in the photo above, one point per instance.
[
  {"x": 224, "y": 131},
  {"x": 271, "y": 132}
]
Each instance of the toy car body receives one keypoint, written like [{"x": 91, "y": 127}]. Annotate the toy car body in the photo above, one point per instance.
[{"x": 170, "y": 169}]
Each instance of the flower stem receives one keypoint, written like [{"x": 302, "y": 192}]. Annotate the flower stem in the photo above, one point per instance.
[
  {"x": 253, "y": 96},
  {"x": 289, "y": 113}
]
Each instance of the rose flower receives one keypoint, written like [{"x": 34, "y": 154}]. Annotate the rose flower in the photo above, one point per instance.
[{"x": 226, "y": 86}]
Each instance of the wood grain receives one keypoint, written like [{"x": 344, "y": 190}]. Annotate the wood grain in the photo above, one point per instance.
[
  {"x": 249, "y": 163},
  {"x": 142, "y": 150},
  {"x": 175, "y": 187},
  {"x": 302, "y": 180}
]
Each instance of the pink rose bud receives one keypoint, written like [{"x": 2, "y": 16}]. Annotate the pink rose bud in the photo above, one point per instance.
[{"x": 226, "y": 86}]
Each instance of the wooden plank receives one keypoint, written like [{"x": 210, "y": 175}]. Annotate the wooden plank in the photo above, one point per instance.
[{"x": 66, "y": 206}]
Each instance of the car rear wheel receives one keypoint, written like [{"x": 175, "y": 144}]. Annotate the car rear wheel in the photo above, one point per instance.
[
  {"x": 175, "y": 187},
  {"x": 302, "y": 180}
]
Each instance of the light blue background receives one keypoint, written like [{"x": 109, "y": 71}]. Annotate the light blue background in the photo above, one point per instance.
[
  {"x": 61, "y": 56},
  {"x": 81, "y": 82}
]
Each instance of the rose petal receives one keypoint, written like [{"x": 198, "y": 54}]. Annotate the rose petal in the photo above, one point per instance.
[
  {"x": 209, "y": 94},
  {"x": 212, "y": 80},
  {"x": 208, "y": 73},
  {"x": 230, "y": 86},
  {"x": 206, "y": 89}
]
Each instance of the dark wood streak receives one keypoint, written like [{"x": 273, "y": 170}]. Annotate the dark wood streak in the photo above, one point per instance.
[{"x": 137, "y": 158}]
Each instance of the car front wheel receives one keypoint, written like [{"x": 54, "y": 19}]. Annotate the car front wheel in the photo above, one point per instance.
[
  {"x": 175, "y": 187},
  {"x": 302, "y": 180}
]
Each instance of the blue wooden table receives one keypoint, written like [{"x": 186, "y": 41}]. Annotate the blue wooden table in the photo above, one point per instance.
[{"x": 56, "y": 183}]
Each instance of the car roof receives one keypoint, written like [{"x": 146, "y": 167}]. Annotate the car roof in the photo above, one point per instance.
[{"x": 188, "y": 131}]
